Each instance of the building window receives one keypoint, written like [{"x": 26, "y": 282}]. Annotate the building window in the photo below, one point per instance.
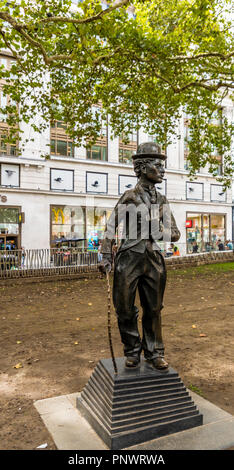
[
  {"x": 6, "y": 133},
  {"x": 125, "y": 155},
  {"x": 67, "y": 222},
  {"x": 9, "y": 175},
  {"x": 126, "y": 182},
  {"x": 5, "y": 147},
  {"x": 60, "y": 144},
  {"x": 78, "y": 223},
  {"x": 9, "y": 228},
  {"x": 96, "y": 182},
  {"x": 194, "y": 191},
  {"x": 127, "y": 146},
  {"x": 97, "y": 152},
  {"x": 205, "y": 232},
  {"x": 61, "y": 180},
  {"x": 217, "y": 193},
  {"x": 96, "y": 219},
  {"x": 187, "y": 138},
  {"x": 215, "y": 153}
]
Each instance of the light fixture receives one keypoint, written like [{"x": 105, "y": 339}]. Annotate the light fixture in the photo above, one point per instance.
[
  {"x": 128, "y": 185},
  {"x": 59, "y": 179},
  {"x": 95, "y": 184}
]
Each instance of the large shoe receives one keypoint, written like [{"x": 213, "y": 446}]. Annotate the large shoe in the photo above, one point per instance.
[
  {"x": 132, "y": 361},
  {"x": 158, "y": 363}
]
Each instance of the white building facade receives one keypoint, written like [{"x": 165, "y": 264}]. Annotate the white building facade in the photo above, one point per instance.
[{"x": 71, "y": 197}]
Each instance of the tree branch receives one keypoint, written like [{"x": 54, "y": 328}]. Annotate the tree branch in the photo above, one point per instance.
[
  {"x": 106, "y": 56},
  {"x": 201, "y": 56},
  {"x": 59, "y": 19},
  {"x": 8, "y": 45}
]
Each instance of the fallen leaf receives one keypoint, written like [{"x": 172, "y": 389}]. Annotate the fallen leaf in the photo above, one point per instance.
[
  {"x": 77, "y": 319},
  {"x": 18, "y": 366},
  {"x": 18, "y": 342},
  {"x": 76, "y": 342},
  {"x": 202, "y": 335},
  {"x": 194, "y": 326},
  {"x": 90, "y": 303}
]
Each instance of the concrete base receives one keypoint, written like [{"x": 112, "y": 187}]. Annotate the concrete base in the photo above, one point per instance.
[{"x": 70, "y": 431}]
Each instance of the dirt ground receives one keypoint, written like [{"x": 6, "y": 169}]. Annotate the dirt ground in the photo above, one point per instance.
[{"x": 54, "y": 333}]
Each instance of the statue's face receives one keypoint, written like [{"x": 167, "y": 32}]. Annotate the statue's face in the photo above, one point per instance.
[{"x": 154, "y": 170}]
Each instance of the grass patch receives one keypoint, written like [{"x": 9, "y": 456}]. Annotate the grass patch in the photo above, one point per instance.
[
  {"x": 196, "y": 390},
  {"x": 215, "y": 268}
]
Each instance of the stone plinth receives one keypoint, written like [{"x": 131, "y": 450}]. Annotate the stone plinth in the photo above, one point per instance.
[{"x": 136, "y": 405}]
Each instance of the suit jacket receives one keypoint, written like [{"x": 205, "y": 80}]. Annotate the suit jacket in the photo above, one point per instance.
[{"x": 141, "y": 220}]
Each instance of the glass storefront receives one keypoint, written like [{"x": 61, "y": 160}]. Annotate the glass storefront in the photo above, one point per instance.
[
  {"x": 67, "y": 222},
  {"x": 84, "y": 224},
  {"x": 205, "y": 232},
  {"x": 9, "y": 228},
  {"x": 96, "y": 219}
]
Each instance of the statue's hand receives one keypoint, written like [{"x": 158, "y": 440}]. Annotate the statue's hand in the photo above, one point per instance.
[{"x": 106, "y": 264}]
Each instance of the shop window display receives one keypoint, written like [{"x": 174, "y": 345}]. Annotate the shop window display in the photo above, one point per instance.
[
  {"x": 9, "y": 228},
  {"x": 96, "y": 222},
  {"x": 205, "y": 232},
  {"x": 67, "y": 222},
  {"x": 86, "y": 224}
]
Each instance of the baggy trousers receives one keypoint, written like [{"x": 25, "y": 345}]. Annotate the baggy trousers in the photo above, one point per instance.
[{"x": 147, "y": 272}]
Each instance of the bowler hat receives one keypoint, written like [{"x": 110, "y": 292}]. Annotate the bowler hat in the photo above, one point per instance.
[{"x": 149, "y": 149}]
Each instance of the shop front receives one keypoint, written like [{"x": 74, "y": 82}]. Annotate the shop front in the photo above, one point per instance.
[
  {"x": 9, "y": 228},
  {"x": 84, "y": 225},
  {"x": 205, "y": 232}
]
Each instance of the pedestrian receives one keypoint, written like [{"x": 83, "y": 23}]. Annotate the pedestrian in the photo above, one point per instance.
[
  {"x": 220, "y": 245},
  {"x": 99, "y": 251},
  {"x": 195, "y": 247},
  {"x": 175, "y": 250},
  {"x": 229, "y": 245}
]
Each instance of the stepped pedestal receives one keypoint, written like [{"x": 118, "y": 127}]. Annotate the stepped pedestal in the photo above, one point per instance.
[{"x": 136, "y": 405}]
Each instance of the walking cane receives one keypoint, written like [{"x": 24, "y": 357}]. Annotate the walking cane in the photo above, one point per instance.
[{"x": 109, "y": 322}]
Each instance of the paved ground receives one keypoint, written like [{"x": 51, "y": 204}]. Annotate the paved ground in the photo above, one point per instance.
[{"x": 71, "y": 431}]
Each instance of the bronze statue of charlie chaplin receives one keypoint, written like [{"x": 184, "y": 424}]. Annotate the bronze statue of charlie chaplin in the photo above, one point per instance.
[{"x": 139, "y": 262}]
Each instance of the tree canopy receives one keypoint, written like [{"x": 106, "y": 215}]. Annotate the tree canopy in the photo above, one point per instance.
[{"x": 145, "y": 61}]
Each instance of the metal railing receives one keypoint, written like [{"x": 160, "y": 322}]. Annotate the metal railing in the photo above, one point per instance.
[
  {"x": 38, "y": 262},
  {"x": 47, "y": 262}
]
